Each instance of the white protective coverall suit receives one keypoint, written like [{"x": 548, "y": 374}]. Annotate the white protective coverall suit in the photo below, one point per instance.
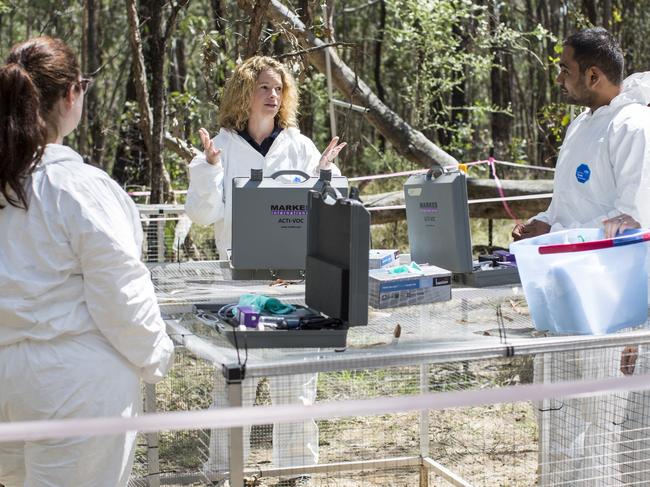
[
  {"x": 635, "y": 427},
  {"x": 209, "y": 201},
  {"x": 79, "y": 322},
  {"x": 597, "y": 177}
]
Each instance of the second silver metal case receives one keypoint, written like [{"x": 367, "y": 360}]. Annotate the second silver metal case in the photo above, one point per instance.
[
  {"x": 269, "y": 223},
  {"x": 438, "y": 221}
]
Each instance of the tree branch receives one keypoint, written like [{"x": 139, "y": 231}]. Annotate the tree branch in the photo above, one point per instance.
[
  {"x": 258, "y": 17},
  {"x": 312, "y": 49},
  {"x": 171, "y": 21},
  {"x": 180, "y": 147},
  {"x": 407, "y": 141},
  {"x": 140, "y": 77},
  {"x": 476, "y": 189},
  {"x": 350, "y": 10}
]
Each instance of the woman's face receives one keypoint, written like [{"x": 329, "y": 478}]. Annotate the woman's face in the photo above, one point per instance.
[
  {"x": 70, "y": 109},
  {"x": 267, "y": 96}
]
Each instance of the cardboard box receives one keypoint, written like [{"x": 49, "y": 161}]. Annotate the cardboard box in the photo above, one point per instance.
[
  {"x": 387, "y": 290},
  {"x": 380, "y": 258}
]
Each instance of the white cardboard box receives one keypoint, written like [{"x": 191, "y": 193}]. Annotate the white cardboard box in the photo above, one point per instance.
[
  {"x": 380, "y": 258},
  {"x": 387, "y": 290}
]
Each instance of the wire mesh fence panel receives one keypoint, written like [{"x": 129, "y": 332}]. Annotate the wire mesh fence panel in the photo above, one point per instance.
[
  {"x": 486, "y": 445},
  {"x": 482, "y": 339},
  {"x": 599, "y": 440},
  {"x": 170, "y": 236}
]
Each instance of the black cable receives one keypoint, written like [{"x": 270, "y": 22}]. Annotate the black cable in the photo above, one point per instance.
[
  {"x": 226, "y": 314},
  {"x": 502, "y": 326}
]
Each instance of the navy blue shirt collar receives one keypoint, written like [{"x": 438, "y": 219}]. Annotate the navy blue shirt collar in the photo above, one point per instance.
[{"x": 266, "y": 144}]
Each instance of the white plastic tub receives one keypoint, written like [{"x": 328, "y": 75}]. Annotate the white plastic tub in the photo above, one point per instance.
[{"x": 577, "y": 282}]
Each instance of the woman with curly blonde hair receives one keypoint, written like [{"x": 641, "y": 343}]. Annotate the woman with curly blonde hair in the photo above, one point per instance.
[
  {"x": 239, "y": 91},
  {"x": 258, "y": 131}
]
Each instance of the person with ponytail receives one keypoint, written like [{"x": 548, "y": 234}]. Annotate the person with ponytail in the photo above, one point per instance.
[{"x": 79, "y": 321}]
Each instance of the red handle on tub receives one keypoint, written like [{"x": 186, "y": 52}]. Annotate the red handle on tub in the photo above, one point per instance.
[{"x": 606, "y": 243}]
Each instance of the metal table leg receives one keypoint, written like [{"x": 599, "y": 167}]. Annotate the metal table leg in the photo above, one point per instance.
[{"x": 234, "y": 377}]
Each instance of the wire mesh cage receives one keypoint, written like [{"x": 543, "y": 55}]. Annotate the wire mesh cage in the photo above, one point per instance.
[
  {"x": 599, "y": 440},
  {"x": 482, "y": 339},
  {"x": 170, "y": 236}
]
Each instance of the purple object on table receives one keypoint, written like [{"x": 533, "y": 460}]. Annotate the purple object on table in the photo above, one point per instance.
[
  {"x": 505, "y": 256},
  {"x": 248, "y": 316}
]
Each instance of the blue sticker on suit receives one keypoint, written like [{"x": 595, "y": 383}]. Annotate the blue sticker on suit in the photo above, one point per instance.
[{"x": 583, "y": 173}]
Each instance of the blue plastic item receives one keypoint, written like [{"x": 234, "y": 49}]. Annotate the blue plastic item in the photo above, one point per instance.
[
  {"x": 265, "y": 303},
  {"x": 412, "y": 268},
  {"x": 578, "y": 282}
]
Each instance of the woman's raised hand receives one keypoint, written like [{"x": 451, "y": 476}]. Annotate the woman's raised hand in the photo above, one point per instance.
[
  {"x": 330, "y": 153},
  {"x": 212, "y": 154}
]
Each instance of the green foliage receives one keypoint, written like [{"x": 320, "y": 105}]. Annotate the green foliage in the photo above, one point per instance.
[
  {"x": 437, "y": 67},
  {"x": 555, "y": 118},
  {"x": 182, "y": 108},
  {"x": 450, "y": 48}
]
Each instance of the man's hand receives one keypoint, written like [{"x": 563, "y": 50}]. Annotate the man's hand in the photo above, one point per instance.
[
  {"x": 628, "y": 359},
  {"x": 531, "y": 229},
  {"x": 212, "y": 154},
  {"x": 330, "y": 153},
  {"x": 619, "y": 224}
]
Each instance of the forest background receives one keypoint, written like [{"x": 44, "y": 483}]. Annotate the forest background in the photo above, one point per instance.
[{"x": 442, "y": 79}]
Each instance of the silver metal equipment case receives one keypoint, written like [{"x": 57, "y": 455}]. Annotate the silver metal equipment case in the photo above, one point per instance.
[
  {"x": 438, "y": 229},
  {"x": 269, "y": 222},
  {"x": 336, "y": 286}
]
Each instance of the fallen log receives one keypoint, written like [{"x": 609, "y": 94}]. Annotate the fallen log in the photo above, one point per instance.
[{"x": 477, "y": 189}]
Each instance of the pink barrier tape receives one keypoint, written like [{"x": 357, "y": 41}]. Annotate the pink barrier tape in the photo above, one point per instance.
[
  {"x": 466, "y": 164},
  {"x": 525, "y": 166},
  {"x": 500, "y": 190},
  {"x": 473, "y": 202},
  {"x": 246, "y": 416},
  {"x": 394, "y": 174}
]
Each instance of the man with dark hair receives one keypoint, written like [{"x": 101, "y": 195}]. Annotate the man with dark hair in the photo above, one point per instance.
[
  {"x": 601, "y": 159},
  {"x": 598, "y": 171},
  {"x": 597, "y": 47}
]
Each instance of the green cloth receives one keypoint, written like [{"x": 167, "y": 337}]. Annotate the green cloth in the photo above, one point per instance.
[
  {"x": 406, "y": 269},
  {"x": 265, "y": 303}
]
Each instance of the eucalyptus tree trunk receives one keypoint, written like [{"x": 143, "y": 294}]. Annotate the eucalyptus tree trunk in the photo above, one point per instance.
[
  {"x": 216, "y": 9},
  {"x": 157, "y": 68},
  {"x": 258, "y": 18},
  {"x": 152, "y": 111},
  {"x": 589, "y": 8},
  {"x": 306, "y": 97},
  {"x": 92, "y": 136},
  {"x": 501, "y": 92},
  {"x": 607, "y": 14},
  {"x": 379, "y": 43}
]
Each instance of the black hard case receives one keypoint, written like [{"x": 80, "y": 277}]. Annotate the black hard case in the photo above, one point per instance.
[{"x": 338, "y": 243}]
